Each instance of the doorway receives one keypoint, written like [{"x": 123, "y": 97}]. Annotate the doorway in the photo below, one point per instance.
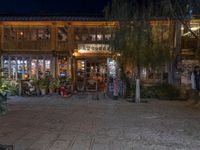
[{"x": 92, "y": 70}]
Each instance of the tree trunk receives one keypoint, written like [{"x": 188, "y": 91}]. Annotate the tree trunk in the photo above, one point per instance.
[
  {"x": 170, "y": 73},
  {"x": 137, "y": 91},
  {"x": 137, "y": 88}
]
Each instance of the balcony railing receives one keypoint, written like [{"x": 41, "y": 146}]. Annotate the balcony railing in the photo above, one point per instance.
[
  {"x": 189, "y": 43},
  {"x": 24, "y": 45},
  {"x": 62, "y": 45}
]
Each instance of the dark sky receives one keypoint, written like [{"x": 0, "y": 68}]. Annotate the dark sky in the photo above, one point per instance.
[{"x": 52, "y": 6}]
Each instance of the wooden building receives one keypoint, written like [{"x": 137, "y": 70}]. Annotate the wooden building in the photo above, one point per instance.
[
  {"x": 76, "y": 47},
  {"x": 60, "y": 46}
]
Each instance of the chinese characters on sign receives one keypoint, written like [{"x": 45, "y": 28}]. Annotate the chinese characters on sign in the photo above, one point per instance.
[{"x": 93, "y": 48}]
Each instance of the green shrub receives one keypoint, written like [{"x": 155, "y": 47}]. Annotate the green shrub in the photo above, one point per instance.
[
  {"x": 7, "y": 87},
  {"x": 162, "y": 91},
  {"x": 194, "y": 95},
  {"x": 167, "y": 91},
  {"x": 43, "y": 83},
  {"x": 149, "y": 92},
  {"x": 3, "y": 108},
  {"x": 54, "y": 84}
]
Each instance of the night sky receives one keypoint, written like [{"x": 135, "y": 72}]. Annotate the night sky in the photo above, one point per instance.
[{"x": 37, "y": 7}]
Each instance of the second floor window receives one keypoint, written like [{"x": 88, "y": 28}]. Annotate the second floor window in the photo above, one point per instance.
[
  {"x": 44, "y": 34},
  {"x": 62, "y": 33},
  {"x": 194, "y": 27},
  {"x": 92, "y": 34},
  {"x": 99, "y": 37},
  {"x": 27, "y": 33},
  {"x": 108, "y": 37}
]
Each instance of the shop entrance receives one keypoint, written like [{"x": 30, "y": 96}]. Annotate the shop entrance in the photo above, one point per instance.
[{"x": 93, "y": 74}]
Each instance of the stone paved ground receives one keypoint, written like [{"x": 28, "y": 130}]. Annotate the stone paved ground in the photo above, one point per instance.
[{"x": 80, "y": 123}]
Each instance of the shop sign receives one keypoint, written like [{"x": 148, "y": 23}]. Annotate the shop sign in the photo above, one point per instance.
[{"x": 93, "y": 48}]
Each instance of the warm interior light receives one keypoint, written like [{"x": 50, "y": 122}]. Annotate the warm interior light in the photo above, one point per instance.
[
  {"x": 118, "y": 54},
  {"x": 75, "y": 53},
  {"x": 193, "y": 29}
]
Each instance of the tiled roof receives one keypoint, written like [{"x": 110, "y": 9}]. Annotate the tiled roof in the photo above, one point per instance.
[{"x": 50, "y": 18}]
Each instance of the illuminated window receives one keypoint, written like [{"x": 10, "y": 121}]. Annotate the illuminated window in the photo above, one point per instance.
[
  {"x": 10, "y": 33},
  {"x": 92, "y": 37},
  {"x": 108, "y": 37},
  {"x": 44, "y": 34},
  {"x": 26, "y": 67},
  {"x": 13, "y": 69},
  {"x": 62, "y": 33},
  {"x": 33, "y": 67},
  {"x": 5, "y": 65},
  {"x": 81, "y": 65},
  {"x": 40, "y": 67},
  {"x": 20, "y": 34},
  {"x": 47, "y": 65},
  {"x": 19, "y": 67},
  {"x": 195, "y": 27},
  {"x": 99, "y": 37},
  {"x": 84, "y": 37},
  {"x": 33, "y": 32}
]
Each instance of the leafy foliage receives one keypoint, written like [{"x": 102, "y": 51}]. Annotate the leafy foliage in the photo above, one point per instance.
[
  {"x": 133, "y": 36},
  {"x": 161, "y": 91},
  {"x": 43, "y": 83},
  {"x": 54, "y": 83},
  {"x": 7, "y": 87}
]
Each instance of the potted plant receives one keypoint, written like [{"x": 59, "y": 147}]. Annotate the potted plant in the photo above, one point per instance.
[
  {"x": 43, "y": 84},
  {"x": 53, "y": 85},
  {"x": 7, "y": 87},
  {"x": 35, "y": 83}
]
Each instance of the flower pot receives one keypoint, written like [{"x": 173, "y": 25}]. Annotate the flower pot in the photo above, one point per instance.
[
  {"x": 43, "y": 92},
  {"x": 51, "y": 90},
  {"x": 38, "y": 91}
]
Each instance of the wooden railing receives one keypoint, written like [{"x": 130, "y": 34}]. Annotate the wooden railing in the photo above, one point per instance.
[
  {"x": 24, "y": 45},
  {"x": 62, "y": 45},
  {"x": 189, "y": 43}
]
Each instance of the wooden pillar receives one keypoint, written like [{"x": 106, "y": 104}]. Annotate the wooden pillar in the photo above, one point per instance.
[
  {"x": 53, "y": 37},
  {"x": 1, "y": 38},
  {"x": 52, "y": 67},
  {"x": 29, "y": 67},
  {"x": 54, "y": 49},
  {"x": 177, "y": 38},
  {"x": 9, "y": 67},
  {"x": 23, "y": 68},
  {"x": 1, "y": 64},
  {"x": 71, "y": 46},
  {"x": 16, "y": 74},
  {"x": 37, "y": 66},
  {"x": 44, "y": 67}
]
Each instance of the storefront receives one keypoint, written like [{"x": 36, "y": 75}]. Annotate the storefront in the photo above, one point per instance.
[
  {"x": 22, "y": 67},
  {"x": 92, "y": 67},
  {"x": 91, "y": 72}
]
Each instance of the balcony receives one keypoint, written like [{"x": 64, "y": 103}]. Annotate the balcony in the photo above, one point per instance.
[
  {"x": 27, "y": 45},
  {"x": 189, "y": 43},
  {"x": 62, "y": 45}
]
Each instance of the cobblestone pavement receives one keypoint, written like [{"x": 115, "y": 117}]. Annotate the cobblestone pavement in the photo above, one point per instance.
[{"x": 80, "y": 123}]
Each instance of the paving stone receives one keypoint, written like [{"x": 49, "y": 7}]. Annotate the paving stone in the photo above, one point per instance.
[
  {"x": 60, "y": 145},
  {"x": 44, "y": 142},
  {"x": 55, "y": 123},
  {"x": 26, "y": 141}
]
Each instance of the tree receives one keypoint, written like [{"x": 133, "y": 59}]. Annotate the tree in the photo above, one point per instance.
[
  {"x": 133, "y": 37},
  {"x": 183, "y": 12}
]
